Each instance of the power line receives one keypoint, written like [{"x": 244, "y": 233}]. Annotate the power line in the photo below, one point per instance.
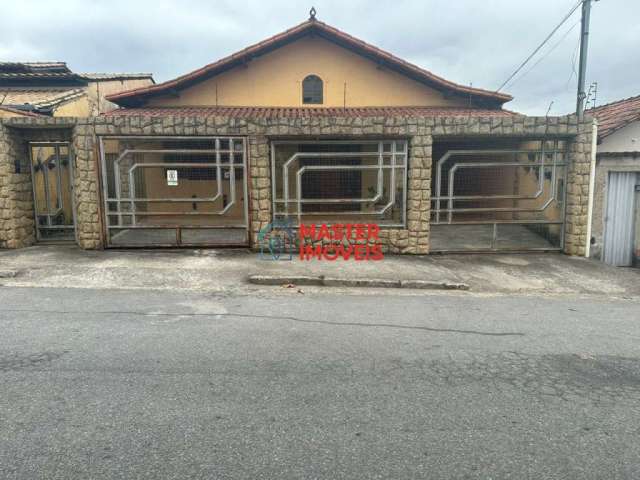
[
  {"x": 566, "y": 17},
  {"x": 548, "y": 52}
]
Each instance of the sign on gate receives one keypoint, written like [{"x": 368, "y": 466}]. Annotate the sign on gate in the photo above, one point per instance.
[{"x": 172, "y": 178}]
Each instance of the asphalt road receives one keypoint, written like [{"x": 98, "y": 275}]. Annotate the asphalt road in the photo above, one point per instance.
[{"x": 106, "y": 384}]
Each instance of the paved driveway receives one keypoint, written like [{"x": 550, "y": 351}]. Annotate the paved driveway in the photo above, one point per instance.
[{"x": 225, "y": 270}]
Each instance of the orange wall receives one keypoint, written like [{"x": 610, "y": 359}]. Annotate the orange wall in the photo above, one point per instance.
[{"x": 275, "y": 79}]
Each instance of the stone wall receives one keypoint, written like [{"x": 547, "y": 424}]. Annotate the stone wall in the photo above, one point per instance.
[
  {"x": 17, "y": 213},
  {"x": 420, "y": 131},
  {"x": 16, "y": 196},
  {"x": 86, "y": 191},
  {"x": 575, "y": 237}
]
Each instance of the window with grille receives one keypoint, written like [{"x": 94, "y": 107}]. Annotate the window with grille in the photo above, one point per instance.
[{"x": 312, "y": 90}]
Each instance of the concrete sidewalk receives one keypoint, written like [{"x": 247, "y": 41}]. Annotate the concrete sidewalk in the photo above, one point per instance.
[{"x": 229, "y": 269}]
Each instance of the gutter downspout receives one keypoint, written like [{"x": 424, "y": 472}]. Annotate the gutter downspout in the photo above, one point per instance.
[{"x": 592, "y": 181}]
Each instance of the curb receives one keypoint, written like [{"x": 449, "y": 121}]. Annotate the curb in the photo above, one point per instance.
[{"x": 323, "y": 281}]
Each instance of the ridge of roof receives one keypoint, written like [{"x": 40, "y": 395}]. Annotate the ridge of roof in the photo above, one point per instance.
[
  {"x": 114, "y": 76},
  {"x": 35, "y": 67},
  {"x": 61, "y": 98},
  {"x": 290, "y": 34},
  {"x": 39, "y": 99}
]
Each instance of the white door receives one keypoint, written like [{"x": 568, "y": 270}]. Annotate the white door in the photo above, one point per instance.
[{"x": 619, "y": 219}]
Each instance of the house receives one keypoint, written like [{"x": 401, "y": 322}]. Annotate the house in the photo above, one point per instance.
[
  {"x": 310, "y": 126},
  {"x": 615, "y": 225},
  {"x": 50, "y": 88}
]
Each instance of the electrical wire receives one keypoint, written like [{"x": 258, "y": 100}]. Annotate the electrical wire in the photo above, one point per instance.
[
  {"x": 548, "y": 52},
  {"x": 539, "y": 47},
  {"x": 574, "y": 58}
]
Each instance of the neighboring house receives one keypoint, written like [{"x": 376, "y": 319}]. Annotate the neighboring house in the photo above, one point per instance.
[
  {"x": 51, "y": 89},
  {"x": 309, "y": 126},
  {"x": 615, "y": 230}
]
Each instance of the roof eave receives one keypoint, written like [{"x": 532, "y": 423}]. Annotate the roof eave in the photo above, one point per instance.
[{"x": 139, "y": 96}]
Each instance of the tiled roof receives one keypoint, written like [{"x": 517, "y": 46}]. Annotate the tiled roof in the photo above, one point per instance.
[
  {"x": 293, "y": 112},
  {"x": 17, "y": 111},
  {"x": 136, "y": 97},
  {"x": 14, "y": 72},
  {"x": 613, "y": 116},
  {"x": 115, "y": 76},
  {"x": 34, "y": 67},
  {"x": 33, "y": 75},
  {"x": 38, "y": 98}
]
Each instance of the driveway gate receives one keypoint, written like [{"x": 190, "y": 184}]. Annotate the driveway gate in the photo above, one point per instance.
[
  {"x": 498, "y": 199},
  {"x": 174, "y": 191}
]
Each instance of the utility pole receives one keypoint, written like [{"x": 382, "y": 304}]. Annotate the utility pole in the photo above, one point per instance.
[{"x": 584, "y": 46}]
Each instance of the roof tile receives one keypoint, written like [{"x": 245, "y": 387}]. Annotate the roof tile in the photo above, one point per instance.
[
  {"x": 616, "y": 115},
  {"x": 295, "y": 112},
  {"x": 310, "y": 26},
  {"x": 39, "y": 98}
]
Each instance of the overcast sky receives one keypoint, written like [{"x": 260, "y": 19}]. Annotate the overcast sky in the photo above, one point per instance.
[{"x": 466, "y": 41}]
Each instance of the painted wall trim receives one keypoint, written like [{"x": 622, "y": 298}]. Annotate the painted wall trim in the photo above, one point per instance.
[{"x": 592, "y": 181}]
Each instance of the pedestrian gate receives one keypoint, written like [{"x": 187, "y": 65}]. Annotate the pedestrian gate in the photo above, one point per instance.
[
  {"x": 174, "y": 191},
  {"x": 52, "y": 179}
]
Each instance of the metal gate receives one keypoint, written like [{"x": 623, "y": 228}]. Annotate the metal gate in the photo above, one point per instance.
[
  {"x": 52, "y": 180},
  {"x": 490, "y": 199},
  {"x": 174, "y": 191},
  {"x": 333, "y": 181},
  {"x": 619, "y": 219}
]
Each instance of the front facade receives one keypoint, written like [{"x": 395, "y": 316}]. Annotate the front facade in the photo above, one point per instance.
[
  {"x": 615, "y": 227},
  {"x": 311, "y": 126}
]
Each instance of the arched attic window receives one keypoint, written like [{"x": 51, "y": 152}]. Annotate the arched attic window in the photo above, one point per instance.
[{"x": 312, "y": 90}]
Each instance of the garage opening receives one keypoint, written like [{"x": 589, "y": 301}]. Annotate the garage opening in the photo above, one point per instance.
[
  {"x": 174, "y": 191},
  {"x": 316, "y": 182},
  {"x": 506, "y": 195}
]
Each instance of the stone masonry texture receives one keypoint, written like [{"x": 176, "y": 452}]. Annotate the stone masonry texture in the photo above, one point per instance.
[{"x": 16, "y": 205}]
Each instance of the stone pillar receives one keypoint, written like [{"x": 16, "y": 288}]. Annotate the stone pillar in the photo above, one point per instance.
[
  {"x": 259, "y": 185},
  {"x": 418, "y": 196},
  {"x": 87, "y": 198},
  {"x": 5, "y": 192},
  {"x": 575, "y": 238},
  {"x": 17, "y": 223}
]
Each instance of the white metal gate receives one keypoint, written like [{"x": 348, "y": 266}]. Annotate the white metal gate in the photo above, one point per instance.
[
  {"x": 332, "y": 181},
  {"x": 488, "y": 199},
  {"x": 619, "y": 219},
  {"x": 174, "y": 191}
]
